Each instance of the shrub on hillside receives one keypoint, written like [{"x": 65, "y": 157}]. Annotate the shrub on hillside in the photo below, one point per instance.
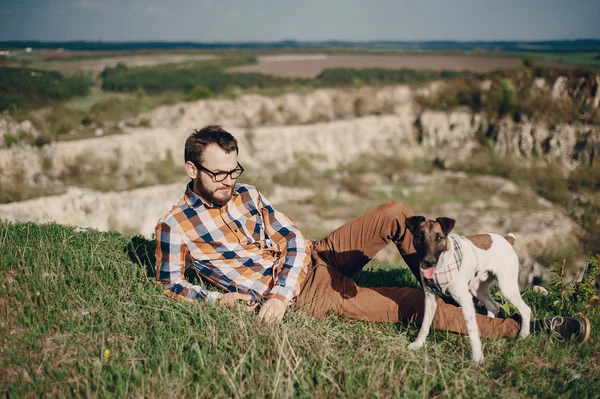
[
  {"x": 349, "y": 77},
  {"x": 198, "y": 93},
  {"x": 528, "y": 61}
]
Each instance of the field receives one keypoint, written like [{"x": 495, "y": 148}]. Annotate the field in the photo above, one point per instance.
[
  {"x": 73, "y": 62},
  {"x": 592, "y": 59},
  {"x": 310, "y": 66},
  {"x": 82, "y": 317}
]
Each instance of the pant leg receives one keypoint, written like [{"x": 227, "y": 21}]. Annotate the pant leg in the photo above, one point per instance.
[
  {"x": 326, "y": 289},
  {"x": 350, "y": 247},
  {"x": 346, "y": 250}
]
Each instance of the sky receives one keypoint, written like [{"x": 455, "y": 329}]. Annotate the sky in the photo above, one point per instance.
[{"x": 303, "y": 20}]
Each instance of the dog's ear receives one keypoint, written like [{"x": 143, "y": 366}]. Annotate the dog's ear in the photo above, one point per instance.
[
  {"x": 413, "y": 222},
  {"x": 447, "y": 224}
]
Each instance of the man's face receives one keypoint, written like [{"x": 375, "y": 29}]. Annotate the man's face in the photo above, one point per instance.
[{"x": 216, "y": 160}]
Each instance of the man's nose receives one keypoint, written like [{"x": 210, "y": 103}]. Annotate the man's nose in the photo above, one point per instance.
[{"x": 228, "y": 180}]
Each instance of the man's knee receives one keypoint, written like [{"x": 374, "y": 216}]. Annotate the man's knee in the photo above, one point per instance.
[{"x": 395, "y": 209}]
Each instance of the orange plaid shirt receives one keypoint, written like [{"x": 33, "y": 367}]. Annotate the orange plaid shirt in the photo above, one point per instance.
[{"x": 244, "y": 246}]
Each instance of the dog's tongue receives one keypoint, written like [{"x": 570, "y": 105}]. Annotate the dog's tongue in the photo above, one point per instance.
[{"x": 428, "y": 272}]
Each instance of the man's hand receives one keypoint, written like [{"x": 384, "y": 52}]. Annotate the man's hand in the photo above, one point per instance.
[
  {"x": 272, "y": 311},
  {"x": 230, "y": 298}
]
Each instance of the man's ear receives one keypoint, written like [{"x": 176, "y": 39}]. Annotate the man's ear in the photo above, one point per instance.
[
  {"x": 413, "y": 222},
  {"x": 191, "y": 170},
  {"x": 447, "y": 224}
]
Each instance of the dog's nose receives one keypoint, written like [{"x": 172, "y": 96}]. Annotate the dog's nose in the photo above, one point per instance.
[{"x": 429, "y": 262}]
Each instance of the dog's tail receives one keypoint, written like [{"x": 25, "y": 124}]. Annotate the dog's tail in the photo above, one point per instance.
[{"x": 510, "y": 237}]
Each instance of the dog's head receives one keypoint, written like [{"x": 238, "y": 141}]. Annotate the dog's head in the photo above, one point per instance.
[{"x": 430, "y": 238}]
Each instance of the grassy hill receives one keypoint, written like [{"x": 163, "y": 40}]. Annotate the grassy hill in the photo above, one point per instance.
[{"x": 82, "y": 316}]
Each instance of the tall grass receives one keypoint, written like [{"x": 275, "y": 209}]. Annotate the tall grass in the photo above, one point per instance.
[{"x": 81, "y": 316}]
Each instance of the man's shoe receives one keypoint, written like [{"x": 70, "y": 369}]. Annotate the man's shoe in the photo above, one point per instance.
[{"x": 565, "y": 328}]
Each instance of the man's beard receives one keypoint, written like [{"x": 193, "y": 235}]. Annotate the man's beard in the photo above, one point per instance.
[{"x": 210, "y": 196}]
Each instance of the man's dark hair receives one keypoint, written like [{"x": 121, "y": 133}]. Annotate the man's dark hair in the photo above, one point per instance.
[{"x": 200, "y": 139}]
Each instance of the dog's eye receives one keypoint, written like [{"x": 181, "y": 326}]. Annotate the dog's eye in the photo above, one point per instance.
[{"x": 439, "y": 238}]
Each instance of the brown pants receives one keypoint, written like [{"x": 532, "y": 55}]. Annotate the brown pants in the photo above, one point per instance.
[{"x": 339, "y": 256}]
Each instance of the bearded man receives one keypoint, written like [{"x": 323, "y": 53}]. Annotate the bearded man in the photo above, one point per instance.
[{"x": 234, "y": 239}]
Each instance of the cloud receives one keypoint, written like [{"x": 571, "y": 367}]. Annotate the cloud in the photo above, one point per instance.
[
  {"x": 5, "y": 12},
  {"x": 88, "y": 4}
]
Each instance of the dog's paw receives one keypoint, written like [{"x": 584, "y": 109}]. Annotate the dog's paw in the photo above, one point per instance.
[
  {"x": 477, "y": 359},
  {"x": 523, "y": 334},
  {"x": 414, "y": 346}
]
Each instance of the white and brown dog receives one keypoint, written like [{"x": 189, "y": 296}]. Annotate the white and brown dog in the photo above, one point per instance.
[{"x": 463, "y": 267}]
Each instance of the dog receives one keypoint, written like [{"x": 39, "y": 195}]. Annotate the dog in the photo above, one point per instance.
[{"x": 463, "y": 268}]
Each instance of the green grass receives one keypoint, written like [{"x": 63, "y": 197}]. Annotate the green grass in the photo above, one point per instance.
[
  {"x": 81, "y": 317},
  {"x": 584, "y": 58}
]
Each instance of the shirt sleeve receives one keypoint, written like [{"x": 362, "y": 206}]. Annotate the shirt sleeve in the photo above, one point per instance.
[
  {"x": 292, "y": 245},
  {"x": 171, "y": 252}
]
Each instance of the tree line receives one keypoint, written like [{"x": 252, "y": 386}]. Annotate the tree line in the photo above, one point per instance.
[{"x": 29, "y": 88}]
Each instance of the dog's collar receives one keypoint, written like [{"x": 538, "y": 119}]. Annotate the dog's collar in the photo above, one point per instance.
[{"x": 444, "y": 274}]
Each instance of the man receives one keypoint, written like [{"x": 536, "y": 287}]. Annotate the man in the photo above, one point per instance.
[{"x": 231, "y": 235}]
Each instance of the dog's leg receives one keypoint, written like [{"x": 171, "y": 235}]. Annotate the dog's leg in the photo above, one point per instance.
[
  {"x": 464, "y": 299},
  {"x": 509, "y": 286},
  {"x": 483, "y": 294},
  {"x": 430, "y": 307}
]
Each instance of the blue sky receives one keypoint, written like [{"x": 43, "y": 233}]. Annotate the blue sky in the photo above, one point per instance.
[{"x": 274, "y": 20}]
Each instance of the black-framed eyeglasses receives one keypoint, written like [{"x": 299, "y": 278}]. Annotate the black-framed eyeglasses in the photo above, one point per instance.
[{"x": 220, "y": 176}]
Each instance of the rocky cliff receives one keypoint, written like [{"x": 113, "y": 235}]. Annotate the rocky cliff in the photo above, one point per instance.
[{"x": 326, "y": 129}]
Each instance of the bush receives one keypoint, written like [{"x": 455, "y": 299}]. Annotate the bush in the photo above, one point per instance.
[
  {"x": 528, "y": 61},
  {"x": 209, "y": 74},
  {"x": 508, "y": 97},
  {"x": 140, "y": 93},
  {"x": 198, "y": 93},
  {"x": 349, "y": 77},
  {"x": 11, "y": 103}
]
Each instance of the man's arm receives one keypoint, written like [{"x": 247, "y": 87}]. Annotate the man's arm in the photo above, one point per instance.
[
  {"x": 170, "y": 266},
  {"x": 291, "y": 243}
]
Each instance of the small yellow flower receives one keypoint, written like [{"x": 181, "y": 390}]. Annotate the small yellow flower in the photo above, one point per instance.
[{"x": 106, "y": 352}]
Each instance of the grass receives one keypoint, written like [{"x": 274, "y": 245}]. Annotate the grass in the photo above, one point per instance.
[
  {"x": 81, "y": 317},
  {"x": 579, "y": 58}
]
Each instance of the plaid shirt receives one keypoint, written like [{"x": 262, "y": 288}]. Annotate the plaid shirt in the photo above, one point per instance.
[
  {"x": 245, "y": 246},
  {"x": 444, "y": 274}
]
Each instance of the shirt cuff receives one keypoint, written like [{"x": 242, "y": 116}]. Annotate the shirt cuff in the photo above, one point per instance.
[
  {"x": 280, "y": 297},
  {"x": 213, "y": 297}
]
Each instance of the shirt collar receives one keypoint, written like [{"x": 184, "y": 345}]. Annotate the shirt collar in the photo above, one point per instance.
[{"x": 194, "y": 200}]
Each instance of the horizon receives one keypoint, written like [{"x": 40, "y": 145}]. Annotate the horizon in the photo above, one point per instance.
[{"x": 582, "y": 39}]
